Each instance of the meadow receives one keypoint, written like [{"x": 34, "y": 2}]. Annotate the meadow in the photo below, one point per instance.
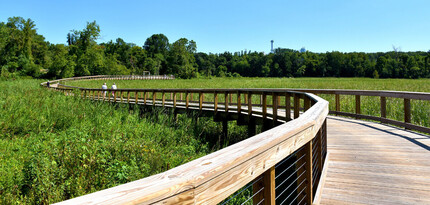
[
  {"x": 369, "y": 105},
  {"x": 54, "y": 147}
]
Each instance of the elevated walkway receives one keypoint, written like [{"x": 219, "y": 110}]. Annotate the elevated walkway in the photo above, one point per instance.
[
  {"x": 367, "y": 163},
  {"x": 373, "y": 163}
]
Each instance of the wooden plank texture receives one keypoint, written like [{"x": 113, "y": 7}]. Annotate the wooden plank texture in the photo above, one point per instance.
[{"x": 372, "y": 163}]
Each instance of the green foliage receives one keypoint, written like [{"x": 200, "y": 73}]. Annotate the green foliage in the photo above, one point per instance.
[
  {"x": 84, "y": 56},
  {"x": 54, "y": 147}
]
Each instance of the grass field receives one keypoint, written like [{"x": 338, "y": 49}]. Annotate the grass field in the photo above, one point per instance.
[
  {"x": 54, "y": 147},
  {"x": 370, "y": 105}
]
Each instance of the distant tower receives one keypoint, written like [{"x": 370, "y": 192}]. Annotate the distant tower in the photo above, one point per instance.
[{"x": 271, "y": 50}]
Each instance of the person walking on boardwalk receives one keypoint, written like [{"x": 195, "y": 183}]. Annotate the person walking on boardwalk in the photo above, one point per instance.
[
  {"x": 104, "y": 87},
  {"x": 113, "y": 88}
]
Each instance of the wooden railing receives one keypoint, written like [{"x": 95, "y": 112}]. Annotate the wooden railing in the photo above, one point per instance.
[
  {"x": 406, "y": 97},
  {"x": 113, "y": 77},
  {"x": 283, "y": 163}
]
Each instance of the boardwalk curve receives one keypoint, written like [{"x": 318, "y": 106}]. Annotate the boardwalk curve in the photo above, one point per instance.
[{"x": 365, "y": 157}]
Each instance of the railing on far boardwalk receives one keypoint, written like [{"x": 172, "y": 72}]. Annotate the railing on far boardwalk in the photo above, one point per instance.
[{"x": 113, "y": 77}]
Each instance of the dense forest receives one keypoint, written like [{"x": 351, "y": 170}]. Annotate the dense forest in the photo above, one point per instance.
[{"x": 24, "y": 52}]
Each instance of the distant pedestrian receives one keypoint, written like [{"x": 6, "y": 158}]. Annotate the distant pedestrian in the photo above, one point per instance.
[
  {"x": 113, "y": 88},
  {"x": 104, "y": 87},
  {"x": 48, "y": 83}
]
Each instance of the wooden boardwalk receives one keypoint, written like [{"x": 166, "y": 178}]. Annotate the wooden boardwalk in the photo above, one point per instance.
[{"x": 372, "y": 163}]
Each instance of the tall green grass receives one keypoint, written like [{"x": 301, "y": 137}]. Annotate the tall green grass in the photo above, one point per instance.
[{"x": 54, "y": 147}]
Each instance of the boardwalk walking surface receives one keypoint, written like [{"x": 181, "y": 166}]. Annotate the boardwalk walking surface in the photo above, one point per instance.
[{"x": 371, "y": 163}]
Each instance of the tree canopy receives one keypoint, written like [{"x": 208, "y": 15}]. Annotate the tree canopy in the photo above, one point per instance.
[{"x": 25, "y": 52}]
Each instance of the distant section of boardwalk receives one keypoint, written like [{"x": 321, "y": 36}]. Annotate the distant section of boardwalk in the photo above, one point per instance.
[{"x": 372, "y": 163}]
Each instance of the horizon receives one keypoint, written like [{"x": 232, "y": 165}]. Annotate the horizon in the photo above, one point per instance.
[{"x": 319, "y": 27}]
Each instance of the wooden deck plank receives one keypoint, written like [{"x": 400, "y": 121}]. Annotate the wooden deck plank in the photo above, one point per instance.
[{"x": 372, "y": 163}]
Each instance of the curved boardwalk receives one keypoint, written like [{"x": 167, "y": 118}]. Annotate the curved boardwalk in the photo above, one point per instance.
[
  {"x": 368, "y": 163},
  {"x": 372, "y": 163}
]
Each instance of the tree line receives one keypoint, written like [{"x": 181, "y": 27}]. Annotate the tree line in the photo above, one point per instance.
[{"x": 24, "y": 52}]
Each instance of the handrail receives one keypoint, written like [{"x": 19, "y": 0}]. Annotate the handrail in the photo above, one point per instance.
[
  {"x": 406, "y": 96},
  {"x": 214, "y": 177},
  {"x": 114, "y": 77}
]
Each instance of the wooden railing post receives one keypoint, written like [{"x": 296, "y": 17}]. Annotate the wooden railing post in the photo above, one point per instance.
[
  {"x": 296, "y": 105},
  {"x": 275, "y": 108},
  {"x": 407, "y": 107},
  {"x": 187, "y": 99},
  {"x": 245, "y": 97},
  {"x": 154, "y": 96},
  {"x": 264, "y": 190},
  {"x": 128, "y": 96},
  {"x": 216, "y": 101},
  {"x": 309, "y": 174},
  {"x": 200, "y": 101},
  {"x": 145, "y": 95},
  {"x": 226, "y": 101},
  {"x": 288, "y": 106},
  {"x": 337, "y": 103},
  {"x": 249, "y": 104},
  {"x": 383, "y": 108},
  {"x": 307, "y": 103},
  {"x": 357, "y": 106},
  {"x": 163, "y": 98},
  {"x": 239, "y": 103},
  {"x": 120, "y": 93},
  {"x": 174, "y": 99},
  {"x": 136, "y": 97},
  {"x": 264, "y": 106}
]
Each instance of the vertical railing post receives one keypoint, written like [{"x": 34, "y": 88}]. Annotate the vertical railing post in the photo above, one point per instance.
[
  {"x": 383, "y": 108},
  {"x": 145, "y": 95},
  {"x": 407, "y": 108},
  {"x": 288, "y": 106},
  {"x": 275, "y": 108},
  {"x": 226, "y": 102},
  {"x": 239, "y": 103},
  {"x": 163, "y": 98},
  {"x": 200, "y": 101},
  {"x": 128, "y": 96},
  {"x": 187, "y": 99},
  {"x": 307, "y": 102},
  {"x": 216, "y": 101},
  {"x": 309, "y": 185},
  {"x": 250, "y": 104},
  {"x": 337, "y": 97},
  {"x": 174, "y": 99},
  {"x": 264, "y": 106},
  {"x": 136, "y": 97},
  {"x": 296, "y": 105},
  {"x": 154, "y": 97},
  {"x": 264, "y": 190},
  {"x": 357, "y": 106},
  {"x": 245, "y": 97},
  {"x": 120, "y": 93}
]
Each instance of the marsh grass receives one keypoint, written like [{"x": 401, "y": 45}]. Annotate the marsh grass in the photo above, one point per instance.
[{"x": 54, "y": 147}]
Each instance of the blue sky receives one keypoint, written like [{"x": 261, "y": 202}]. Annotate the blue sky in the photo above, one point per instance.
[{"x": 218, "y": 26}]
